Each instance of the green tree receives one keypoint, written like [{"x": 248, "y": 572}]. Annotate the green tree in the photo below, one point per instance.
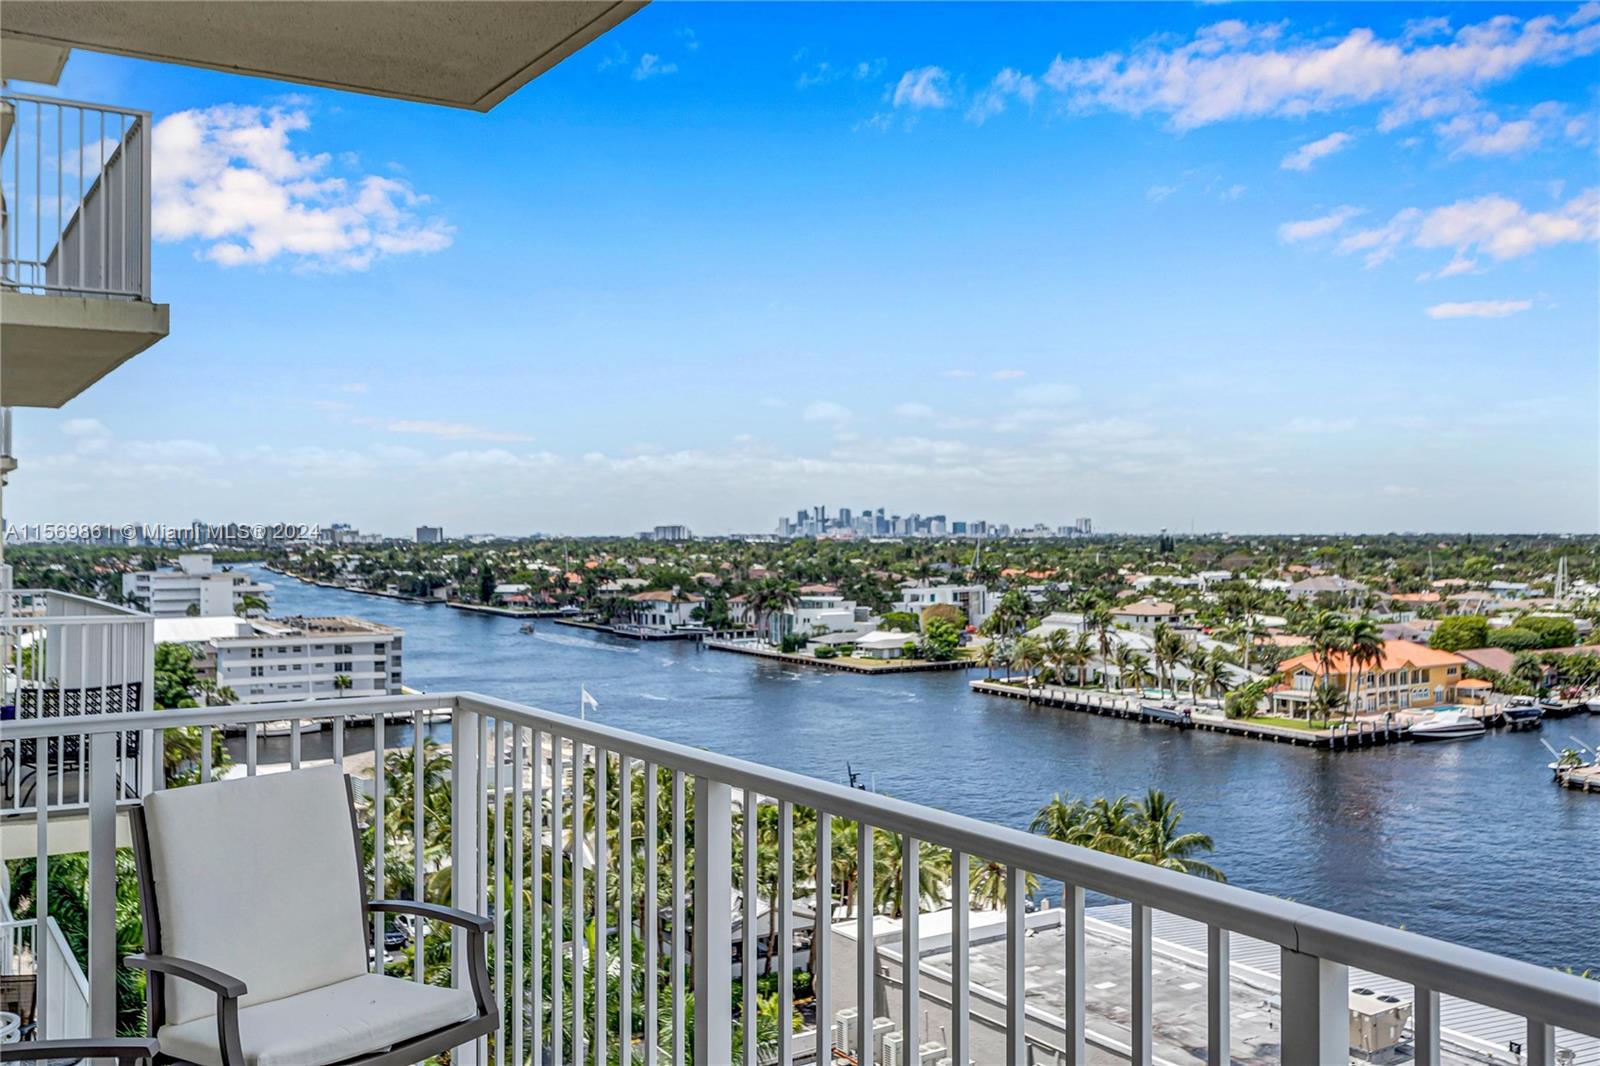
[
  {"x": 1460, "y": 631},
  {"x": 940, "y": 639}
]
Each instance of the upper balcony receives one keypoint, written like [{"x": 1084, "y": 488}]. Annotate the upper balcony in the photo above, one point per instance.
[
  {"x": 74, "y": 246},
  {"x": 629, "y": 878}
]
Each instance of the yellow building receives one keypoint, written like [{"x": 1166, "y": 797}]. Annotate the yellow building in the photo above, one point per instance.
[{"x": 1408, "y": 676}]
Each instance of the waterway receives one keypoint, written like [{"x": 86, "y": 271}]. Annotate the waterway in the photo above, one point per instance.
[{"x": 1468, "y": 841}]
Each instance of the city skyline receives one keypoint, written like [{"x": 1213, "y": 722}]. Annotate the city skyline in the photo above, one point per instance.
[{"x": 1072, "y": 260}]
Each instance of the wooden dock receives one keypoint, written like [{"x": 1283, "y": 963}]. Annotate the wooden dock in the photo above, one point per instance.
[
  {"x": 632, "y": 632},
  {"x": 1582, "y": 778},
  {"x": 1362, "y": 733}
]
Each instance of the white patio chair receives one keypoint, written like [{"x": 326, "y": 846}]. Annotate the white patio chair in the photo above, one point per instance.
[{"x": 256, "y": 928}]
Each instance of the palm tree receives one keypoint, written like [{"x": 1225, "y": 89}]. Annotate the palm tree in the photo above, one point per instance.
[
  {"x": 1058, "y": 648},
  {"x": 987, "y": 883},
  {"x": 1169, "y": 650},
  {"x": 342, "y": 684},
  {"x": 1100, "y": 620},
  {"x": 1123, "y": 661},
  {"x": 888, "y": 877},
  {"x": 1081, "y": 653},
  {"x": 1214, "y": 673},
  {"x": 1064, "y": 820},
  {"x": 1028, "y": 656},
  {"x": 1326, "y": 633},
  {"x": 1138, "y": 669},
  {"x": 1325, "y": 701},
  {"x": 1156, "y": 840},
  {"x": 1363, "y": 644},
  {"x": 986, "y": 658}
]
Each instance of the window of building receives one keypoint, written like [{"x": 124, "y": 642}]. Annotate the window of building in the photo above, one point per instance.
[
  {"x": 258, "y": 671},
  {"x": 343, "y": 668},
  {"x": 256, "y": 653}
]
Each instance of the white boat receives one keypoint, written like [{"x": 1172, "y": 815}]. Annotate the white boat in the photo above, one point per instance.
[{"x": 1447, "y": 725}]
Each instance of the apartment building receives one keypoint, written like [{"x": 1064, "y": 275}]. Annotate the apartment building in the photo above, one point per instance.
[
  {"x": 195, "y": 588},
  {"x": 267, "y": 660},
  {"x": 1408, "y": 677}
]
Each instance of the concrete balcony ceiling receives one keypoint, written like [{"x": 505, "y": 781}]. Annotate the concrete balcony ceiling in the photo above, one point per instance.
[
  {"x": 470, "y": 55},
  {"x": 57, "y": 346}
]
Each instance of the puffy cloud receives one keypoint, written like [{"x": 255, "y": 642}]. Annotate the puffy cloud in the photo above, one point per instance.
[
  {"x": 651, "y": 65},
  {"x": 1311, "y": 228},
  {"x": 825, "y": 411},
  {"x": 1303, "y": 157},
  {"x": 228, "y": 177},
  {"x": 1233, "y": 70},
  {"x": 1007, "y": 84},
  {"x": 1479, "y": 309},
  {"x": 1496, "y": 226},
  {"x": 925, "y": 87}
]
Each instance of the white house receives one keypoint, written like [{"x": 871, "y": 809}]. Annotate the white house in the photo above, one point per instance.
[
  {"x": 817, "y": 611},
  {"x": 265, "y": 660},
  {"x": 973, "y": 600},
  {"x": 663, "y": 609},
  {"x": 1145, "y": 615},
  {"x": 883, "y": 644},
  {"x": 196, "y": 587}
]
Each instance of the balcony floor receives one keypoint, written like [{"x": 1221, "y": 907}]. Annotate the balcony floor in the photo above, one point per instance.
[{"x": 58, "y": 346}]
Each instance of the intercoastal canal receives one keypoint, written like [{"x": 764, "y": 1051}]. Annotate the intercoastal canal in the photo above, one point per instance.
[{"x": 1471, "y": 842}]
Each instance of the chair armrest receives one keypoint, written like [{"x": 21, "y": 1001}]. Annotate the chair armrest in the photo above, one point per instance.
[
  {"x": 224, "y": 985},
  {"x": 433, "y": 912},
  {"x": 126, "y": 1049}
]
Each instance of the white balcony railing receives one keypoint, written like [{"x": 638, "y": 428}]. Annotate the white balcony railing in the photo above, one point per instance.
[
  {"x": 75, "y": 181},
  {"x": 618, "y": 867},
  {"x": 66, "y": 656}
]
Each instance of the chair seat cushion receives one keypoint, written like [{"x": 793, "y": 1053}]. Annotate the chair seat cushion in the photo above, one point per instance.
[{"x": 339, "y": 1021}]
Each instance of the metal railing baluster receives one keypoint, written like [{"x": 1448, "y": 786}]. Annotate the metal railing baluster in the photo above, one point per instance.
[
  {"x": 680, "y": 910},
  {"x": 499, "y": 895},
  {"x": 1139, "y": 1022},
  {"x": 910, "y": 945},
  {"x": 419, "y": 833},
  {"x": 579, "y": 1038},
  {"x": 625, "y": 907},
  {"x": 536, "y": 911},
  {"x": 865, "y": 966},
  {"x": 515, "y": 827},
  {"x": 602, "y": 860},
  {"x": 747, "y": 938},
  {"x": 784, "y": 923},
  {"x": 652, "y": 916},
  {"x": 380, "y": 805},
  {"x": 960, "y": 968},
  {"x": 1425, "y": 1027},
  {"x": 1076, "y": 965},
  {"x": 1219, "y": 984},
  {"x": 822, "y": 946},
  {"x": 558, "y": 875},
  {"x": 1016, "y": 967}
]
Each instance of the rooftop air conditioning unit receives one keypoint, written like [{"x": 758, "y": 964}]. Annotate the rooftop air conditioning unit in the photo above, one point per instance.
[
  {"x": 930, "y": 1054},
  {"x": 892, "y": 1043},
  {"x": 881, "y": 1028},
  {"x": 846, "y": 1030},
  {"x": 1377, "y": 1022}
]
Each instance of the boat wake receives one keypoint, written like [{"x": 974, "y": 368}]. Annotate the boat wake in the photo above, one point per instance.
[
  {"x": 579, "y": 642},
  {"x": 654, "y": 697}
]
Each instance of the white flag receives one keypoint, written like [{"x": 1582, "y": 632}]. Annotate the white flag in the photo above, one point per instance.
[{"x": 586, "y": 701}]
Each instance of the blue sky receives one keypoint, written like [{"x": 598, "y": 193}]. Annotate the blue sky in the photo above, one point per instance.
[{"x": 1245, "y": 267}]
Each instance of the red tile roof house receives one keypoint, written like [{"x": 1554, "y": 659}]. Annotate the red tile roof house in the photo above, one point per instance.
[{"x": 1409, "y": 676}]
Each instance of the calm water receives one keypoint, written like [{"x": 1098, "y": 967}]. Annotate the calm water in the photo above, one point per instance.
[{"x": 1469, "y": 841}]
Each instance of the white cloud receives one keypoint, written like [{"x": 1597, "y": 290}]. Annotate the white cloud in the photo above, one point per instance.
[
  {"x": 913, "y": 410},
  {"x": 1157, "y": 193},
  {"x": 1008, "y": 375},
  {"x": 1303, "y": 157},
  {"x": 1483, "y": 134},
  {"x": 354, "y": 386},
  {"x": 1308, "y": 424},
  {"x": 925, "y": 87},
  {"x": 449, "y": 430},
  {"x": 651, "y": 65},
  {"x": 1009, "y": 83},
  {"x": 228, "y": 177},
  {"x": 1479, "y": 309},
  {"x": 1233, "y": 70},
  {"x": 83, "y": 427},
  {"x": 825, "y": 411},
  {"x": 1312, "y": 228},
  {"x": 1496, "y": 226}
]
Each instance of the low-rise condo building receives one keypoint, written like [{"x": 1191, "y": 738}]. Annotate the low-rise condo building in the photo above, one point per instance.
[
  {"x": 196, "y": 588},
  {"x": 1407, "y": 676},
  {"x": 264, "y": 660}
]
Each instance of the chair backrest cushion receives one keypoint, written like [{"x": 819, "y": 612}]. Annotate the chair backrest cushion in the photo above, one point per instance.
[{"x": 257, "y": 877}]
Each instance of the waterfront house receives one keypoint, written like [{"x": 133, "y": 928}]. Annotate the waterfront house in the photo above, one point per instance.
[
  {"x": 1409, "y": 676},
  {"x": 664, "y": 609},
  {"x": 883, "y": 644},
  {"x": 822, "y": 610},
  {"x": 974, "y": 601}
]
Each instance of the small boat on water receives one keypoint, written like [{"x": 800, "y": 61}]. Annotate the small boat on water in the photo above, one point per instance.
[
  {"x": 1447, "y": 725},
  {"x": 527, "y": 627},
  {"x": 1523, "y": 713},
  {"x": 1560, "y": 708}
]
